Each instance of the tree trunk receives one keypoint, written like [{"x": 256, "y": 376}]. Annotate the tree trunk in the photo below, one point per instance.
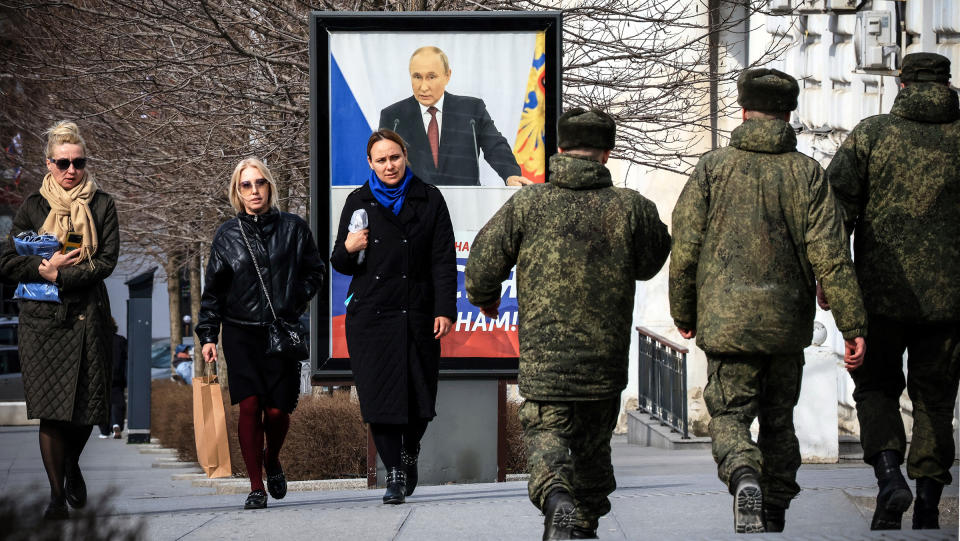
[
  {"x": 195, "y": 292},
  {"x": 172, "y": 269}
]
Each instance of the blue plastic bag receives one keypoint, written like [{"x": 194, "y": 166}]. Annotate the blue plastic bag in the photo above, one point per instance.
[{"x": 30, "y": 243}]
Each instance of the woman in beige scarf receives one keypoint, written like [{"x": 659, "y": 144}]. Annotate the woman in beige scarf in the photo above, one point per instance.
[{"x": 65, "y": 347}]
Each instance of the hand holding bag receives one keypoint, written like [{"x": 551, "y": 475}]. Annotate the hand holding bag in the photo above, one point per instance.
[
  {"x": 284, "y": 339},
  {"x": 210, "y": 427},
  {"x": 30, "y": 243}
]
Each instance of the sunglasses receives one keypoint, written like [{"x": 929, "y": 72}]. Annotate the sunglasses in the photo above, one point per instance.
[
  {"x": 246, "y": 186},
  {"x": 63, "y": 164}
]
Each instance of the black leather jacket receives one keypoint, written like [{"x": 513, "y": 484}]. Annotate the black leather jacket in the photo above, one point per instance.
[{"x": 289, "y": 262}]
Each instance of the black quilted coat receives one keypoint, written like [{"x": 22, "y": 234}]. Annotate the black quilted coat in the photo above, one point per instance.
[
  {"x": 65, "y": 348},
  {"x": 408, "y": 278},
  {"x": 291, "y": 265}
]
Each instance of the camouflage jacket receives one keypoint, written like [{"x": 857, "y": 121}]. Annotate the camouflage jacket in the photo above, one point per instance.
[
  {"x": 753, "y": 227},
  {"x": 579, "y": 245},
  {"x": 897, "y": 177}
]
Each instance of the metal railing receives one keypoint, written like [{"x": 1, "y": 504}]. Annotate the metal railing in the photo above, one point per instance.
[{"x": 663, "y": 380}]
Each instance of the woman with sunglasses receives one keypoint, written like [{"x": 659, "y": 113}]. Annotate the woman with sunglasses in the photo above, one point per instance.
[
  {"x": 401, "y": 302},
  {"x": 236, "y": 303},
  {"x": 66, "y": 347}
]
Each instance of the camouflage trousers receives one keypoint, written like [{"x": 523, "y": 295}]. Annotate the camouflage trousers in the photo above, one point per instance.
[
  {"x": 741, "y": 388},
  {"x": 933, "y": 374},
  {"x": 568, "y": 447}
]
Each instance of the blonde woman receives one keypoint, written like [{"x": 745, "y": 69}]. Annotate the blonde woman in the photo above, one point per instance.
[
  {"x": 65, "y": 347},
  {"x": 233, "y": 300}
]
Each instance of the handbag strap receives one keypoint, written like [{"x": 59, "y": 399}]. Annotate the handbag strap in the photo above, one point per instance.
[{"x": 256, "y": 265}]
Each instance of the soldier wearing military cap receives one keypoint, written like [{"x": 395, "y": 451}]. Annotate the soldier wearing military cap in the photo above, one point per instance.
[
  {"x": 579, "y": 245},
  {"x": 753, "y": 229},
  {"x": 897, "y": 177}
]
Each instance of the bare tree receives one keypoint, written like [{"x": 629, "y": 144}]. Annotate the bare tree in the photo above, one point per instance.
[{"x": 173, "y": 93}]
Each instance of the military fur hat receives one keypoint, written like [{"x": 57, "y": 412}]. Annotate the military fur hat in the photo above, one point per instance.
[
  {"x": 580, "y": 128},
  {"x": 925, "y": 67},
  {"x": 767, "y": 90}
]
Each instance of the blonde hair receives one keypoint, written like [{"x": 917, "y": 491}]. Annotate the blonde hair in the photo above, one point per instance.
[
  {"x": 233, "y": 191},
  {"x": 64, "y": 132},
  {"x": 436, "y": 51}
]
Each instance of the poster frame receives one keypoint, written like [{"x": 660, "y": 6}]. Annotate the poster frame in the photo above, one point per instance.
[{"x": 324, "y": 368}]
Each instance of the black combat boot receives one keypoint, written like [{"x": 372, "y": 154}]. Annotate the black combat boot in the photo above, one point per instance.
[
  {"x": 747, "y": 501},
  {"x": 894, "y": 496},
  {"x": 926, "y": 510},
  {"x": 583, "y": 533},
  {"x": 396, "y": 486},
  {"x": 774, "y": 517},
  {"x": 409, "y": 462},
  {"x": 559, "y": 511}
]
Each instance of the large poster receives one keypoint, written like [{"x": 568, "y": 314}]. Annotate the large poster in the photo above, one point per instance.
[
  {"x": 377, "y": 81},
  {"x": 474, "y": 97}
]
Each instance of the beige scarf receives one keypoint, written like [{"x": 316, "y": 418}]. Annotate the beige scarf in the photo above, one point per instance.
[{"x": 70, "y": 211}]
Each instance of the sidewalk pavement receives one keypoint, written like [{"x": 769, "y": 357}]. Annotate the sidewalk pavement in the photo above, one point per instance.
[{"x": 661, "y": 495}]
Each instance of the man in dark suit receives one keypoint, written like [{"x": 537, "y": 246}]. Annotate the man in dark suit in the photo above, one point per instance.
[{"x": 445, "y": 132}]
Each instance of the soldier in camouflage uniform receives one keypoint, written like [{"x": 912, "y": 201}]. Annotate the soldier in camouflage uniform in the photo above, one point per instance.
[
  {"x": 754, "y": 226},
  {"x": 579, "y": 245},
  {"x": 897, "y": 177}
]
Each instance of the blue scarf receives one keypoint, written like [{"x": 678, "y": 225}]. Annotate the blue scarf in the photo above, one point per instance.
[{"x": 390, "y": 196}]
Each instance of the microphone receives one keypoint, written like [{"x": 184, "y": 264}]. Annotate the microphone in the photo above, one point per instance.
[
  {"x": 476, "y": 148},
  {"x": 396, "y": 122}
]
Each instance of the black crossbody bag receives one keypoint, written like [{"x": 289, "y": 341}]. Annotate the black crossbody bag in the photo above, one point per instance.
[{"x": 284, "y": 339}]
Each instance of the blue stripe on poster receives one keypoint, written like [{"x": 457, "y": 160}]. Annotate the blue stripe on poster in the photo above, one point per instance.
[{"x": 349, "y": 131}]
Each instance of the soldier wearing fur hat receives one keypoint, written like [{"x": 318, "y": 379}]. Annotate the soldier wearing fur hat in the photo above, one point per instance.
[
  {"x": 753, "y": 230},
  {"x": 897, "y": 177},
  {"x": 579, "y": 245}
]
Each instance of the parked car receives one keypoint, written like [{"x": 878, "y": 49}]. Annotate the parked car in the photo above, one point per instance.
[
  {"x": 11, "y": 383},
  {"x": 160, "y": 356}
]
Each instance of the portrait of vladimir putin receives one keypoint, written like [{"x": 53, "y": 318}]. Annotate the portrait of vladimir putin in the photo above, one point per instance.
[{"x": 445, "y": 132}]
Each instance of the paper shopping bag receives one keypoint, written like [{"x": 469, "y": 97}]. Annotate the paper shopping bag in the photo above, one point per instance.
[{"x": 210, "y": 427}]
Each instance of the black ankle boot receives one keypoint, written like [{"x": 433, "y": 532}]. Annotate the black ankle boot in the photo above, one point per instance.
[
  {"x": 774, "y": 517},
  {"x": 894, "y": 496},
  {"x": 926, "y": 510},
  {"x": 74, "y": 486},
  {"x": 747, "y": 501},
  {"x": 410, "y": 469},
  {"x": 56, "y": 510},
  {"x": 559, "y": 511},
  {"x": 396, "y": 486}
]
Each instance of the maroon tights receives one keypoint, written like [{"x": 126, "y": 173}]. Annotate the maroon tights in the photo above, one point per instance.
[{"x": 255, "y": 420}]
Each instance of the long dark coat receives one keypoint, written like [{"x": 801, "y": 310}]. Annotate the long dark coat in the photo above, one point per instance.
[
  {"x": 408, "y": 278},
  {"x": 65, "y": 349}
]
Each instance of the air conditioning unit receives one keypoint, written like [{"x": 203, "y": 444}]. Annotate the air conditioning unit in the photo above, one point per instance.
[
  {"x": 874, "y": 44},
  {"x": 812, "y": 6},
  {"x": 842, "y": 5},
  {"x": 779, "y": 7}
]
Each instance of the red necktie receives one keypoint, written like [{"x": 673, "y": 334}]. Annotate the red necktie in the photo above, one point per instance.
[{"x": 433, "y": 135}]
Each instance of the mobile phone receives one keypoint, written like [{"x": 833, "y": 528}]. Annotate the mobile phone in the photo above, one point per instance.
[{"x": 73, "y": 241}]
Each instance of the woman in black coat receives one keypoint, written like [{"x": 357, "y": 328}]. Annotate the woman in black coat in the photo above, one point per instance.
[
  {"x": 65, "y": 346},
  {"x": 267, "y": 388},
  {"x": 402, "y": 300}
]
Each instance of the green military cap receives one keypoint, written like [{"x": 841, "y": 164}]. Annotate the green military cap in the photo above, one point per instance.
[
  {"x": 580, "y": 128},
  {"x": 925, "y": 67},
  {"x": 767, "y": 90}
]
